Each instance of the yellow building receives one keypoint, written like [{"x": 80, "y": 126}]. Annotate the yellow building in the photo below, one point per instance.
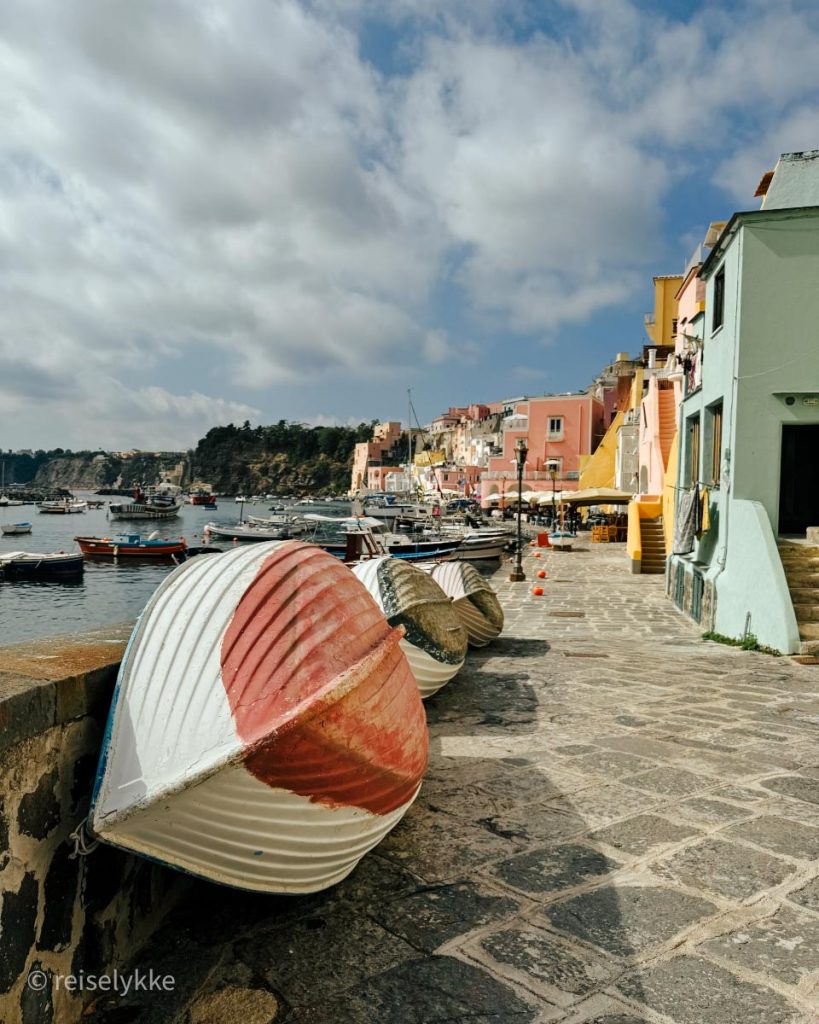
[{"x": 661, "y": 325}]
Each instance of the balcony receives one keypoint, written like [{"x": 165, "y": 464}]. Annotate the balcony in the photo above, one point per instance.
[{"x": 528, "y": 474}]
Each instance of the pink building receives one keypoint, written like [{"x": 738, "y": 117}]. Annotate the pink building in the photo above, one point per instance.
[
  {"x": 558, "y": 428},
  {"x": 369, "y": 456}
]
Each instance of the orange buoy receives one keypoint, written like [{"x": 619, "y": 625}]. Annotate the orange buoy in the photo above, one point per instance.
[
  {"x": 536, "y": 554},
  {"x": 537, "y": 591},
  {"x": 541, "y": 575}
]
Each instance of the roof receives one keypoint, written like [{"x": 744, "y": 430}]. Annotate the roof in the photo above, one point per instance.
[{"x": 745, "y": 216}]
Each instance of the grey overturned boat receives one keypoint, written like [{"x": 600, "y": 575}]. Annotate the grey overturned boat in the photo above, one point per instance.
[
  {"x": 475, "y": 602},
  {"x": 435, "y": 643}
]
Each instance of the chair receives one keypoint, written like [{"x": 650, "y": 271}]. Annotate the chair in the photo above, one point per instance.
[{"x": 599, "y": 534}]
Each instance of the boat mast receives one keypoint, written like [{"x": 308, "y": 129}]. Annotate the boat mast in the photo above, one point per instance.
[{"x": 409, "y": 441}]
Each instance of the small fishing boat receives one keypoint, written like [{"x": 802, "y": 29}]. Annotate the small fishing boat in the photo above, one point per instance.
[
  {"x": 31, "y": 565},
  {"x": 247, "y": 531},
  {"x": 131, "y": 545},
  {"x": 472, "y": 598},
  {"x": 6, "y": 502},
  {"x": 376, "y": 538},
  {"x": 154, "y": 503},
  {"x": 13, "y": 529},
  {"x": 62, "y": 506},
  {"x": 435, "y": 644},
  {"x": 204, "y": 499},
  {"x": 266, "y": 731}
]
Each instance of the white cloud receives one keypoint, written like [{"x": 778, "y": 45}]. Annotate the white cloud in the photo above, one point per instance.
[{"x": 229, "y": 198}]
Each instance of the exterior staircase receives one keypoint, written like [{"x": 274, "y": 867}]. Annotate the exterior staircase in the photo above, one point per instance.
[
  {"x": 801, "y": 565},
  {"x": 653, "y": 544}
]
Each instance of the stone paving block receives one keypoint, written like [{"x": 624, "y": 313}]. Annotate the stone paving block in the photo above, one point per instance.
[
  {"x": 317, "y": 956},
  {"x": 639, "y": 834},
  {"x": 724, "y": 868},
  {"x": 437, "y": 849},
  {"x": 437, "y": 990},
  {"x": 785, "y": 946},
  {"x": 552, "y": 869},
  {"x": 525, "y": 825},
  {"x": 690, "y": 990},
  {"x": 572, "y": 970},
  {"x": 778, "y": 834},
  {"x": 709, "y": 811},
  {"x": 598, "y": 805},
  {"x": 641, "y": 746},
  {"x": 668, "y": 781},
  {"x": 807, "y": 896},
  {"x": 610, "y": 763},
  {"x": 532, "y": 784},
  {"x": 428, "y": 918},
  {"x": 625, "y": 921},
  {"x": 743, "y": 794},
  {"x": 794, "y": 786}
]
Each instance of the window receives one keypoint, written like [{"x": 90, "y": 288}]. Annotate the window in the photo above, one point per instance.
[
  {"x": 715, "y": 431},
  {"x": 555, "y": 428},
  {"x": 693, "y": 451},
  {"x": 719, "y": 300},
  {"x": 674, "y": 325},
  {"x": 556, "y": 463}
]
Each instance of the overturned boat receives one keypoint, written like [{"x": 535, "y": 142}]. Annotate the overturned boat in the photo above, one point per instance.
[
  {"x": 266, "y": 730},
  {"x": 435, "y": 642},
  {"x": 472, "y": 597}
]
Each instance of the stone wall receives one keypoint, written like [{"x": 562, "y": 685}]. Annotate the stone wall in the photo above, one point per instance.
[{"x": 61, "y": 914}]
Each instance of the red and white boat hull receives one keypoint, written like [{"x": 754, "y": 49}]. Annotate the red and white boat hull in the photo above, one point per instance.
[{"x": 267, "y": 731}]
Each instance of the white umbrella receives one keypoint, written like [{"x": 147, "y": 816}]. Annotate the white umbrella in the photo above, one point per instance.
[{"x": 491, "y": 497}]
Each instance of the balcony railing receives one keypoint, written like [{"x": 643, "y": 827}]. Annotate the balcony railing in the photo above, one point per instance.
[{"x": 528, "y": 474}]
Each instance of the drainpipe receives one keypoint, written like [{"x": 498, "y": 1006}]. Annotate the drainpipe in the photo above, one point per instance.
[{"x": 723, "y": 555}]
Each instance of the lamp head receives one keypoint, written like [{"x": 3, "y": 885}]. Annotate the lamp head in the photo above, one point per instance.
[{"x": 521, "y": 450}]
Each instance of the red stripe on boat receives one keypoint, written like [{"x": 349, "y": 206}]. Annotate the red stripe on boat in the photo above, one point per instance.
[{"x": 320, "y": 692}]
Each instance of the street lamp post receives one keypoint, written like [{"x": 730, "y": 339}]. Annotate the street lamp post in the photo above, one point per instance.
[
  {"x": 552, "y": 467},
  {"x": 521, "y": 451}
]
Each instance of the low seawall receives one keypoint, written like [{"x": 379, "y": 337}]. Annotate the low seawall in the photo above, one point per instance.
[{"x": 63, "y": 916}]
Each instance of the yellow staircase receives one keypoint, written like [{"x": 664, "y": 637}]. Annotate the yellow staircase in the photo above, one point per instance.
[
  {"x": 653, "y": 545},
  {"x": 801, "y": 565}
]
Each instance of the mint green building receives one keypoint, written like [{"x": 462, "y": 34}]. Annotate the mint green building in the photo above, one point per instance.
[{"x": 750, "y": 431}]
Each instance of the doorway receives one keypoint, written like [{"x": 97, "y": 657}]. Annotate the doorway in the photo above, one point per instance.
[{"x": 799, "y": 478}]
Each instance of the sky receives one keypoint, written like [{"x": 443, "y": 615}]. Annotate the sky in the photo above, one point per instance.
[{"x": 220, "y": 210}]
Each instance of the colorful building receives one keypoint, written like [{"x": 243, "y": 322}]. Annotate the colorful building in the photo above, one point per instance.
[
  {"x": 750, "y": 416},
  {"x": 560, "y": 429}
]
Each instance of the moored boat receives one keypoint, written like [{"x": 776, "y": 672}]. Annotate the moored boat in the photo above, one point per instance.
[
  {"x": 266, "y": 730},
  {"x": 247, "y": 531},
  {"x": 14, "y": 529},
  {"x": 474, "y": 600},
  {"x": 131, "y": 545},
  {"x": 158, "y": 503},
  {"x": 62, "y": 506},
  {"x": 435, "y": 643},
  {"x": 32, "y": 565}
]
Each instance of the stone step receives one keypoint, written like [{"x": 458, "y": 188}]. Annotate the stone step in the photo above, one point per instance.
[
  {"x": 809, "y": 647},
  {"x": 802, "y": 579},
  {"x": 809, "y": 631},
  {"x": 805, "y": 595},
  {"x": 798, "y": 551},
  {"x": 794, "y": 561},
  {"x": 806, "y": 612}
]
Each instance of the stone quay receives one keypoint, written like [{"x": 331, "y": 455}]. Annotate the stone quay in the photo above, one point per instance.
[{"x": 620, "y": 825}]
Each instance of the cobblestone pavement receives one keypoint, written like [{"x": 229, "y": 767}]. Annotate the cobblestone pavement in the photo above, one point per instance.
[{"x": 620, "y": 825}]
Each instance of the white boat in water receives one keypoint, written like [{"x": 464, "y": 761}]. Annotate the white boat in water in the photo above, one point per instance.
[
  {"x": 14, "y": 529},
  {"x": 436, "y": 642},
  {"x": 266, "y": 730},
  {"x": 248, "y": 531},
  {"x": 62, "y": 506}
]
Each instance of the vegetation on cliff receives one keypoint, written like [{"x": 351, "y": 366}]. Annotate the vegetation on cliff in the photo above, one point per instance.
[
  {"x": 285, "y": 458},
  {"x": 87, "y": 470}
]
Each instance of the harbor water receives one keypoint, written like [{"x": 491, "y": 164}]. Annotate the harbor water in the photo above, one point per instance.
[{"x": 109, "y": 591}]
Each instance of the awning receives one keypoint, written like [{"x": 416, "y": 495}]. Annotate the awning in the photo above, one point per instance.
[{"x": 598, "y": 496}]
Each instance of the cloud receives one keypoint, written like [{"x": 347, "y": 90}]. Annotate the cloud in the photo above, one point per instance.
[{"x": 245, "y": 199}]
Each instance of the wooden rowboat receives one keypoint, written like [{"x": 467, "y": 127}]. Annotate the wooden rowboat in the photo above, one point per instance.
[
  {"x": 435, "y": 644},
  {"x": 266, "y": 730},
  {"x": 472, "y": 598}
]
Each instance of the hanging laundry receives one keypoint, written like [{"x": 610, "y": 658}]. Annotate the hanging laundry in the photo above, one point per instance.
[{"x": 688, "y": 519}]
